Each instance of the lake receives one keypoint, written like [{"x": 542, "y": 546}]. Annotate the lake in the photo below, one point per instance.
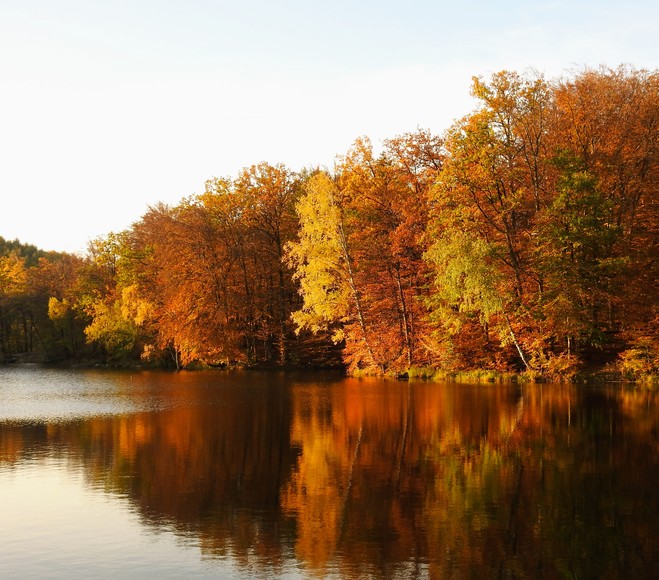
[{"x": 143, "y": 474}]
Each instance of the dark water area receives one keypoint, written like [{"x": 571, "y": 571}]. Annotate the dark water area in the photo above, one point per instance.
[{"x": 111, "y": 474}]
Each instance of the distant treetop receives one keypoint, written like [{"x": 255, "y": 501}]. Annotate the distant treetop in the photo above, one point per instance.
[{"x": 29, "y": 252}]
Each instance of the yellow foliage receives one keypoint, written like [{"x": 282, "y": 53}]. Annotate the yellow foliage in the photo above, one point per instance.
[
  {"x": 135, "y": 308},
  {"x": 58, "y": 309},
  {"x": 318, "y": 257},
  {"x": 111, "y": 329},
  {"x": 13, "y": 276},
  {"x": 641, "y": 362}
]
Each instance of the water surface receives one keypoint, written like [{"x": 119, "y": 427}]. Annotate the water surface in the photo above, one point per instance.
[{"x": 112, "y": 474}]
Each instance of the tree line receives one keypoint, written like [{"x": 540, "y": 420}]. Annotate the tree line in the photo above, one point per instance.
[{"x": 524, "y": 238}]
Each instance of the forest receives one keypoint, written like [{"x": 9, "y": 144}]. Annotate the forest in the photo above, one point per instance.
[{"x": 522, "y": 241}]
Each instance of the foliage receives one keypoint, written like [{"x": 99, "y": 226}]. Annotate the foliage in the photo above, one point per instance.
[
  {"x": 318, "y": 259},
  {"x": 537, "y": 217},
  {"x": 524, "y": 239},
  {"x": 360, "y": 247},
  {"x": 640, "y": 362},
  {"x": 112, "y": 329},
  {"x": 28, "y": 252}
]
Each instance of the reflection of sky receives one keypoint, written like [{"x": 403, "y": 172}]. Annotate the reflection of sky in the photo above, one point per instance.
[
  {"x": 68, "y": 394},
  {"x": 57, "y": 394},
  {"x": 33, "y": 394},
  {"x": 56, "y": 526}
]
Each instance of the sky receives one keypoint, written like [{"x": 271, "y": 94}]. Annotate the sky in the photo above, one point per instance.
[{"x": 108, "y": 107}]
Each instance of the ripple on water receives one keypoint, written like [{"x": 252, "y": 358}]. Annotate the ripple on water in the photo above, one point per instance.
[{"x": 58, "y": 395}]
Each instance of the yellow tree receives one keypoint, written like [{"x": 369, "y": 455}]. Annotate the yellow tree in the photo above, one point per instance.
[
  {"x": 324, "y": 265},
  {"x": 13, "y": 278},
  {"x": 103, "y": 293}
]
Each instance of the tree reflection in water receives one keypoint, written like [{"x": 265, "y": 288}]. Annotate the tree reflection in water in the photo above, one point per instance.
[{"x": 368, "y": 477}]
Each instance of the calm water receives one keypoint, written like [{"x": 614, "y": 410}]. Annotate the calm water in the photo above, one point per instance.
[{"x": 109, "y": 474}]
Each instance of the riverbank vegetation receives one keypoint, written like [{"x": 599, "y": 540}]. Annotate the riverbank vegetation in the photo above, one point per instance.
[{"x": 521, "y": 240}]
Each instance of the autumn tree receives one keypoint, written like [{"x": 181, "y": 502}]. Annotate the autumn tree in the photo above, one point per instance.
[
  {"x": 208, "y": 274},
  {"x": 322, "y": 262},
  {"x": 268, "y": 194},
  {"x": 180, "y": 274},
  {"x": 63, "y": 285},
  {"x": 29, "y": 277},
  {"x": 606, "y": 123},
  {"x": 492, "y": 185},
  {"x": 100, "y": 295},
  {"x": 13, "y": 278}
]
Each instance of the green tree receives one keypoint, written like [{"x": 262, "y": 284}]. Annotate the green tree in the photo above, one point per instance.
[{"x": 493, "y": 182}]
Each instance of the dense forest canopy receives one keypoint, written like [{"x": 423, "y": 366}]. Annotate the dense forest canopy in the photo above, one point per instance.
[{"x": 522, "y": 239}]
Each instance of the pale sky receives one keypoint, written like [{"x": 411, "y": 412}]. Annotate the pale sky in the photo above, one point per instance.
[{"x": 107, "y": 107}]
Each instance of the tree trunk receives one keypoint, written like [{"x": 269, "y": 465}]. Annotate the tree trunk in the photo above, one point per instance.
[
  {"x": 404, "y": 315},
  {"x": 355, "y": 295}
]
